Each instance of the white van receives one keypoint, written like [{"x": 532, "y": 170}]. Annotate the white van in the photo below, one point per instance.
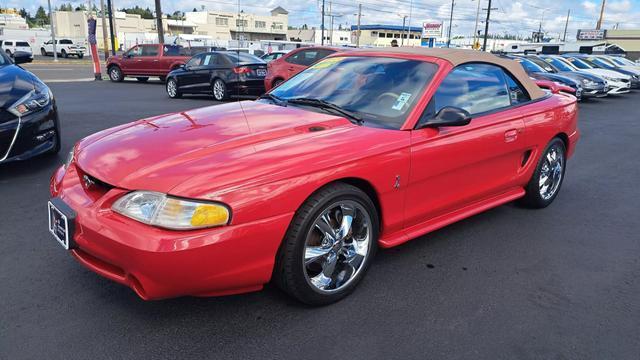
[{"x": 11, "y": 46}]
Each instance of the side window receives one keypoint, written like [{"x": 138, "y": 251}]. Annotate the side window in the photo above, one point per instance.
[
  {"x": 269, "y": 57},
  {"x": 149, "y": 51},
  {"x": 476, "y": 88},
  {"x": 321, "y": 54},
  {"x": 135, "y": 51},
  {"x": 66, "y": 42},
  {"x": 172, "y": 50},
  {"x": 299, "y": 58},
  {"x": 195, "y": 61},
  {"x": 517, "y": 93},
  {"x": 211, "y": 60},
  {"x": 9, "y": 43}
]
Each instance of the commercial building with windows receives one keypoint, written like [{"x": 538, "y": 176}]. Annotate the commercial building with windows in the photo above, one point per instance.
[
  {"x": 241, "y": 26},
  {"x": 383, "y": 35}
]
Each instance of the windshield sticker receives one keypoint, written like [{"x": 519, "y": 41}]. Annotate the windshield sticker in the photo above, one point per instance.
[
  {"x": 206, "y": 60},
  {"x": 326, "y": 63},
  {"x": 402, "y": 100}
]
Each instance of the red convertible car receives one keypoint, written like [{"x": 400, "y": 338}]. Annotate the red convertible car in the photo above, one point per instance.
[{"x": 365, "y": 149}]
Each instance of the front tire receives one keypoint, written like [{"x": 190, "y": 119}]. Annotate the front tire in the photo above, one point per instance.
[
  {"x": 115, "y": 74},
  {"x": 172, "y": 89},
  {"x": 547, "y": 179},
  {"x": 219, "y": 90},
  {"x": 329, "y": 245},
  {"x": 64, "y": 54},
  {"x": 9, "y": 53},
  {"x": 43, "y": 52},
  {"x": 80, "y": 56}
]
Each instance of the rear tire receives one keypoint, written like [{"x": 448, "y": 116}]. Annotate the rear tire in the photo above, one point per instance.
[
  {"x": 321, "y": 269},
  {"x": 219, "y": 90},
  {"x": 43, "y": 52},
  {"x": 142, "y": 79},
  {"x": 115, "y": 74},
  {"x": 547, "y": 179},
  {"x": 64, "y": 53}
]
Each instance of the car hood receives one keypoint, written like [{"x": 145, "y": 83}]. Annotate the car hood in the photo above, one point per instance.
[
  {"x": 223, "y": 144},
  {"x": 579, "y": 76},
  {"x": 631, "y": 69},
  {"x": 608, "y": 73},
  {"x": 15, "y": 83},
  {"x": 558, "y": 78}
]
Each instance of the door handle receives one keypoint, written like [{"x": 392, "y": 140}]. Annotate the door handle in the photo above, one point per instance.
[{"x": 510, "y": 135}]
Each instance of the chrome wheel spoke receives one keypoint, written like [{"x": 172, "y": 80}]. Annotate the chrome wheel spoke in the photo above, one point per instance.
[
  {"x": 551, "y": 173},
  {"x": 347, "y": 220},
  {"x": 325, "y": 278},
  {"x": 314, "y": 253},
  {"x": 324, "y": 226}
]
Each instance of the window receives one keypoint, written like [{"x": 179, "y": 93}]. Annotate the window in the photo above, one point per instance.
[
  {"x": 22, "y": 43},
  {"x": 308, "y": 57},
  {"x": 260, "y": 24},
  {"x": 381, "y": 34},
  {"x": 66, "y": 42},
  {"x": 396, "y": 36},
  {"x": 173, "y": 50},
  {"x": 476, "y": 88},
  {"x": 404, "y": 36},
  {"x": 381, "y": 90},
  {"x": 149, "y": 50},
  {"x": 211, "y": 59},
  {"x": 195, "y": 61},
  {"x": 517, "y": 93},
  {"x": 277, "y": 26},
  {"x": 389, "y": 35},
  {"x": 8, "y": 43},
  {"x": 135, "y": 51},
  {"x": 242, "y": 23},
  {"x": 220, "y": 21}
]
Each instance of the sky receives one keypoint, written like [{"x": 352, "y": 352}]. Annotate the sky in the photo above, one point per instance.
[{"x": 513, "y": 17}]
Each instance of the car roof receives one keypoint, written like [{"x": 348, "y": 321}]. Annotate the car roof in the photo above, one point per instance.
[{"x": 462, "y": 56}]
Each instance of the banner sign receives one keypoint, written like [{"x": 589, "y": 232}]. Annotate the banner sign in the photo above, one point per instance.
[
  {"x": 591, "y": 34},
  {"x": 431, "y": 30}
]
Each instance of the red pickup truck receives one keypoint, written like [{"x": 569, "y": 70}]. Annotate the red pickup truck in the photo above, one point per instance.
[{"x": 143, "y": 61}]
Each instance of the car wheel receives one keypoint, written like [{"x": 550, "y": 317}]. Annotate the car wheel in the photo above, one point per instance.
[
  {"x": 163, "y": 78},
  {"x": 142, "y": 78},
  {"x": 545, "y": 183},
  {"x": 277, "y": 83},
  {"x": 172, "y": 89},
  {"x": 64, "y": 53},
  {"x": 329, "y": 245},
  {"x": 43, "y": 52},
  {"x": 115, "y": 74},
  {"x": 80, "y": 56},
  {"x": 219, "y": 90},
  {"x": 8, "y": 53}
]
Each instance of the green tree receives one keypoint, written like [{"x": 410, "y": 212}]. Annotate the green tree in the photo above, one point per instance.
[{"x": 41, "y": 16}]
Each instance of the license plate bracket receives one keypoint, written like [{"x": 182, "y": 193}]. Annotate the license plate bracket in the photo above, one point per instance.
[{"x": 61, "y": 222}]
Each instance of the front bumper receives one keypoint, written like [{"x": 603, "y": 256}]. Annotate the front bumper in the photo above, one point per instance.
[
  {"x": 618, "y": 87},
  {"x": 158, "y": 263},
  {"x": 31, "y": 135},
  {"x": 600, "y": 90}
]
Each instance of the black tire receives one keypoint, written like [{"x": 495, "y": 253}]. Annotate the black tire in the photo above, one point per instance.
[
  {"x": 64, "y": 53},
  {"x": 142, "y": 78},
  {"x": 173, "y": 94},
  {"x": 277, "y": 83},
  {"x": 533, "y": 197},
  {"x": 43, "y": 52},
  {"x": 115, "y": 74},
  {"x": 163, "y": 78},
  {"x": 220, "y": 94},
  {"x": 9, "y": 53},
  {"x": 290, "y": 273},
  {"x": 80, "y": 56}
]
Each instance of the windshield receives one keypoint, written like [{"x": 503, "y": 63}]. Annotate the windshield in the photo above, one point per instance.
[
  {"x": 559, "y": 64},
  {"x": 379, "y": 90},
  {"x": 530, "y": 66},
  {"x": 625, "y": 61},
  {"x": 602, "y": 63},
  {"x": 240, "y": 57},
  {"x": 579, "y": 63},
  {"x": 618, "y": 61}
]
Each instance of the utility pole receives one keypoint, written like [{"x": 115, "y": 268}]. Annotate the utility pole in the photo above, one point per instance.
[
  {"x": 111, "y": 28},
  {"x": 409, "y": 25},
  {"x": 599, "y": 24},
  {"x": 404, "y": 19},
  {"x": 53, "y": 32},
  {"x": 322, "y": 25},
  {"x": 105, "y": 45},
  {"x": 358, "y": 33},
  {"x": 486, "y": 26},
  {"x": 159, "y": 22},
  {"x": 566, "y": 24},
  {"x": 450, "y": 24},
  {"x": 475, "y": 29},
  {"x": 330, "y": 25}
]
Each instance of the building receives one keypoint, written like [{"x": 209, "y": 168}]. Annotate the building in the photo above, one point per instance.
[
  {"x": 333, "y": 37},
  {"x": 629, "y": 40},
  {"x": 382, "y": 35},
  {"x": 10, "y": 19},
  {"x": 241, "y": 26}
]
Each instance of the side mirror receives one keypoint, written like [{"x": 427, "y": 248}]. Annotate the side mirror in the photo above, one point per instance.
[
  {"x": 21, "y": 57},
  {"x": 449, "y": 116}
]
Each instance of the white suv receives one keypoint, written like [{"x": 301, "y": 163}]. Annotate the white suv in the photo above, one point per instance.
[
  {"x": 64, "y": 48},
  {"x": 11, "y": 46}
]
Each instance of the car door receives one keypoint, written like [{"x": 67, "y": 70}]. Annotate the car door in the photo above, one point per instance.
[
  {"x": 203, "y": 73},
  {"x": 148, "y": 62},
  {"x": 188, "y": 80},
  {"x": 454, "y": 167},
  {"x": 129, "y": 63},
  {"x": 303, "y": 59}
]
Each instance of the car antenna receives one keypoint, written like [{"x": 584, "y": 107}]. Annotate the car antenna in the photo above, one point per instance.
[{"x": 240, "y": 36}]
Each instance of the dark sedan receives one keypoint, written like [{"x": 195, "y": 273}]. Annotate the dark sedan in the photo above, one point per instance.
[
  {"x": 28, "y": 114},
  {"x": 592, "y": 85},
  {"x": 221, "y": 73},
  {"x": 538, "y": 73}
]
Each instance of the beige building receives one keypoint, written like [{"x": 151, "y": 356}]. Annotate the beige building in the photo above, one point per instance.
[
  {"x": 383, "y": 35},
  {"x": 629, "y": 40},
  {"x": 241, "y": 26}
]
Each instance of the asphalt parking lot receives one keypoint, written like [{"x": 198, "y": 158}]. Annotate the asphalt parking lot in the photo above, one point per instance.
[{"x": 511, "y": 283}]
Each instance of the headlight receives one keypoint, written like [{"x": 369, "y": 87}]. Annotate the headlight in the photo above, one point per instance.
[
  {"x": 35, "y": 100},
  {"x": 588, "y": 82},
  {"x": 170, "y": 212}
]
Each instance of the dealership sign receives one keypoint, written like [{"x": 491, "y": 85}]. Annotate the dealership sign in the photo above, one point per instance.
[
  {"x": 431, "y": 30},
  {"x": 591, "y": 34}
]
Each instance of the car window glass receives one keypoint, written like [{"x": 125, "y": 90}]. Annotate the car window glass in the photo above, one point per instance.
[
  {"x": 476, "y": 88},
  {"x": 237, "y": 57},
  {"x": 149, "y": 51},
  {"x": 136, "y": 51},
  {"x": 195, "y": 61},
  {"x": 517, "y": 93},
  {"x": 308, "y": 57},
  {"x": 210, "y": 59},
  {"x": 172, "y": 50},
  {"x": 66, "y": 42},
  {"x": 22, "y": 43},
  {"x": 9, "y": 43}
]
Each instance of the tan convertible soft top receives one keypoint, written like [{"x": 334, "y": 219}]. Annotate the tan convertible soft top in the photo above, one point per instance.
[{"x": 461, "y": 56}]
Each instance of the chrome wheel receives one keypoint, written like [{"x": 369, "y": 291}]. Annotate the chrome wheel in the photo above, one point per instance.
[
  {"x": 218, "y": 90},
  {"x": 172, "y": 88},
  {"x": 551, "y": 172},
  {"x": 114, "y": 74},
  {"x": 337, "y": 246}
]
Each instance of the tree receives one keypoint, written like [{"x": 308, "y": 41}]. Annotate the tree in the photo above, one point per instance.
[
  {"x": 41, "y": 16},
  {"x": 195, "y": 10}
]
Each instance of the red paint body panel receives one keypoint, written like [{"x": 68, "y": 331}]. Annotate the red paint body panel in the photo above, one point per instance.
[
  {"x": 264, "y": 161},
  {"x": 281, "y": 69},
  {"x": 159, "y": 65}
]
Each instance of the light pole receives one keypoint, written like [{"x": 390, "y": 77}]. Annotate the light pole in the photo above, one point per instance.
[
  {"x": 53, "y": 32},
  {"x": 450, "y": 24},
  {"x": 475, "y": 29},
  {"x": 404, "y": 19}
]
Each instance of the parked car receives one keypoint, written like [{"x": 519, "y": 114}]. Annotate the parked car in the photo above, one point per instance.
[
  {"x": 29, "y": 123},
  {"x": 144, "y": 61},
  {"x": 222, "y": 74},
  {"x": 274, "y": 55},
  {"x": 280, "y": 70},
  {"x": 537, "y": 73},
  {"x": 11, "y": 46},
  {"x": 363, "y": 149},
  {"x": 601, "y": 62},
  {"x": 592, "y": 85},
  {"x": 618, "y": 83},
  {"x": 622, "y": 61},
  {"x": 254, "y": 52},
  {"x": 64, "y": 48}
]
